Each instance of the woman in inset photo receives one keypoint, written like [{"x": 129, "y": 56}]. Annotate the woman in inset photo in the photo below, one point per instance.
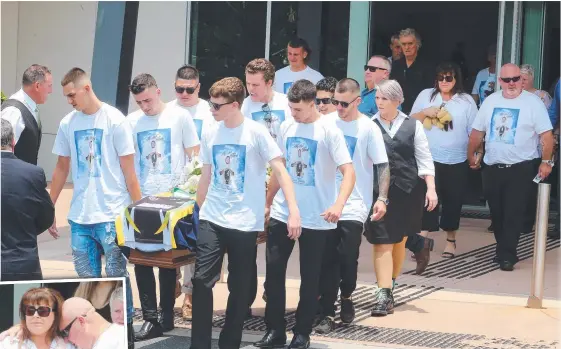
[
  {"x": 99, "y": 294},
  {"x": 40, "y": 312}
]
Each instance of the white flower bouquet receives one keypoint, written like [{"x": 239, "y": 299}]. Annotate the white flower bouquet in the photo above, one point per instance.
[{"x": 191, "y": 176}]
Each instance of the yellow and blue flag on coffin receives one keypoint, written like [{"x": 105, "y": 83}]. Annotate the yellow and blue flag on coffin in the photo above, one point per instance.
[{"x": 158, "y": 223}]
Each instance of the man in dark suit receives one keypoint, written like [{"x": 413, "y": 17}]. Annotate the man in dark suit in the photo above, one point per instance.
[{"x": 27, "y": 211}]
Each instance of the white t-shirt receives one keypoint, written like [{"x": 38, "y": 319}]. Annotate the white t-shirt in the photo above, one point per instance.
[
  {"x": 284, "y": 78},
  {"x": 512, "y": 127},
  {"x": 366, "y": 147},
  {"x": 200, "y": 113},
  {"x": 484, "y": 84},
  {"x": 313, "y": 153},
  {"x": 57, "y": 343},
  {"x": 160, "y": 143},
  {"x": 449, "y": 147},
  {"x": 113, "y": 337},
  {"x": 94, "y": 144},
  {"x": 280, "y": 111},
  {"x": 238, "y": 158}
]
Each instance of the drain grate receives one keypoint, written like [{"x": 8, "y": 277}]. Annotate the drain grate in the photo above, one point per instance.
[{"x": 480, "y": 261}]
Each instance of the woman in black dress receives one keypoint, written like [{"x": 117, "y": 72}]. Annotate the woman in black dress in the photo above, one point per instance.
[{"x": 411, "y": 185}]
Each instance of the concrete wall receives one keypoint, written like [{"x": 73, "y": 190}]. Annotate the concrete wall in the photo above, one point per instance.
[
  {"x": 160, "y": 44},
  {"x": 59, "y": 35}
]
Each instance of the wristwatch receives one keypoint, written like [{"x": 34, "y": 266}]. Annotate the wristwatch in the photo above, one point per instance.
[
  {"x": 549, "y": 162},
  {"x": 384, "y": 200}
]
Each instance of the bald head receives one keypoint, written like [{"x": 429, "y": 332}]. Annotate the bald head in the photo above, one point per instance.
[
  {"x": 510, "y": 81},
  {"x": 74, "y": 307}
]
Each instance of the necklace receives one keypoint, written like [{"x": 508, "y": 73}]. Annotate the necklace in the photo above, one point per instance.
[{"x": 390, "y": 121}]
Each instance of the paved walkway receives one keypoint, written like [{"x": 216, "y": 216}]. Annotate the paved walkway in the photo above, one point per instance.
[{"x": 465, "y": 302}]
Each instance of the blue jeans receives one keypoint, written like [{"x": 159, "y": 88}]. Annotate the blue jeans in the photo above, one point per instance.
[{"x": 88, "y": 241}]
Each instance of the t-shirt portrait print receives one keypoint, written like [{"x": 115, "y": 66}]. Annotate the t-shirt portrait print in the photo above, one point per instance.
[
  {"x": 154, "y": 148},
  {"x": 503, "y": 125},
  {"x": 301, "y": 159},
  {"x": 88, "y": 150},
  {"x": 229, "y": 167}
]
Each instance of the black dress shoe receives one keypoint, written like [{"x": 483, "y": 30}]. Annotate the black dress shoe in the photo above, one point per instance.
[
  {"x": 506, "y": 265},
  {"x": 148, "y": 331},
  {"x": 166, "y": 320},
  {"x": 272, "y": 339},
  {"x": 299, "y": 341},
  {"x": 347, "y": 310}
]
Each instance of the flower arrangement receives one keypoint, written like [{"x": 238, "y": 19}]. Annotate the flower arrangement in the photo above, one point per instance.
[
  {"x": 441, "y": 120},
  {"x": 191, "y": 175}
]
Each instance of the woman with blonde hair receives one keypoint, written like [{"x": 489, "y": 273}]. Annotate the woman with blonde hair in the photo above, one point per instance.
[
  {"x": 40, "y": 312},
  {"x": 411, "y": 185},
  {"x": 99, "y": 294}
]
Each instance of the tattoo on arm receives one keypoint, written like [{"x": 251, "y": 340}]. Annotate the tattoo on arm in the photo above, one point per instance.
[{"x": 383, "y": 179}]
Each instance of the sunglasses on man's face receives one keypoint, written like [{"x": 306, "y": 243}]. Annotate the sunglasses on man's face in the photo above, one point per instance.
[
  {"x": 513, "y": 79},
  {"x": 343, "y": 104},
  {"x": 323, "y": 101},
  {"x": 372, "y": 69},
  {"x": 448, "y": 78},
  {"x": 66, "y": 331},
  {"x": 189, "y": 90},
  {"x": 42, "y": 311},
  {"x": 217, "y": 106}
]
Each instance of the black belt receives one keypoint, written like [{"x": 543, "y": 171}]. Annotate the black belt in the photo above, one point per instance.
[{"x": 512, "y": 165}]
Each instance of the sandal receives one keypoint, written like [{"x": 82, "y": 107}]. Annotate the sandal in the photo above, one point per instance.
[{"x": 450, "y": 254}]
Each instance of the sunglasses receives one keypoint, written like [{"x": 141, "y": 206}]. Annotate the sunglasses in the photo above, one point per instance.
[
  {"x": 42, "y": 311},
  {"x": 189, "y": 90},
  {"x": 323, "y": 100},
  {"x": 448, "y": 78},
  {"x": 513, "y": 79},
  {"x": 372, "y": 69},
  {"x": 217, "y": 106},
  {"x": 66, "y": 331},
  {"x": 343, "y": 104}
]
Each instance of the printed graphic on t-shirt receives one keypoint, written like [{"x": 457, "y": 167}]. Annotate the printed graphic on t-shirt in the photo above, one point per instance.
[
  {"x": 486, "y": 88},
  {"x": 301, "y": 159},
  {"x": 503, "y": 125},
  {"x": 229, "y": 167},
  {"x": 88, "y": 151},
  {"x": 154, "y": 148},
  {"x": 198, "y": 126},
  {"x": 287, "y": 86},
  {"x": 271, "y": 120},
  {"x": 351, "y": 145}
]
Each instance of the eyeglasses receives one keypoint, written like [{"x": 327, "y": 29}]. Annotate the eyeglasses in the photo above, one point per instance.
[
  {"x": 372, "y": 69},
  {"x": 42, "y": 311},
  {"x": 513, "y": 79},
  {"x": 217, "y": 106},
  {"x": 136, "y": 89},
  {"x": 189, "y": 90},
  {"x": 323, "y": 100},
  {"x": 343, "y": 104},
  {"x": 66, "y": 331},
  {"x": 448, "y": 78}
]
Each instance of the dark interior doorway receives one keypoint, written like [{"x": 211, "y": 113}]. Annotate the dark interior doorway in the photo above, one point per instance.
[{"x": 450, "y": 31}]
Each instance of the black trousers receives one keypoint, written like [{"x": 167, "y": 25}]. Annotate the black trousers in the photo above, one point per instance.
[
  {"x": 508, "y": 190},
  {"x": 212, "y": 242},
  {"x": 340, "y": 264},
  {"x": 146, "y": 283},
  {"x": 279, "y": 248},
  {"x": 451, "y": 182}
]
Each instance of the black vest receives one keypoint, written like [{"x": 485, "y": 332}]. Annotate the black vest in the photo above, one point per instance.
[
  {"x": 27, "y": 147},
  {"x": 401, "y": 155}
]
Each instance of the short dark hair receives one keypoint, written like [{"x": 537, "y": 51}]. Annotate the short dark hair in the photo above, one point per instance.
[
  {"x": 261, "y": 65},
  {"x": 348, "y": 85},
  {"x": 187, "y": 72},
  {"x": 7, "y": 134},
  {"x": 299, "y": 42},
  {"x": 35, "y": 73},
  {"x": 327, "y": 84},
  {"x": 302, "y": 91},
  {"x": 141, "y": 82},
  {"x": 231, "y": 89},
  {"x": 73, "y": 76}
]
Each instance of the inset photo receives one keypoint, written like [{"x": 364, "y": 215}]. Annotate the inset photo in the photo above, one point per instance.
[{"x": 63, "y": 314}]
